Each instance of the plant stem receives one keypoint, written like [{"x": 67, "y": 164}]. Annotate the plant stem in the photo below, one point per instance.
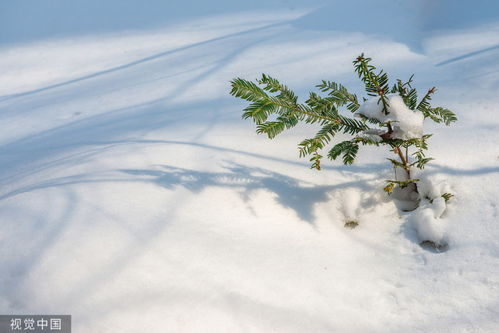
[
  {"x": 405, "y": 164},
  {"x": 404, "y": 161}
]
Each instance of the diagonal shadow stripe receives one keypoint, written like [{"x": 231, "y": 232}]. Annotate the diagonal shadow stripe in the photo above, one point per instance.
[
  {"x": 467, "y": 55},
  {"x": 140, "y": 61}
]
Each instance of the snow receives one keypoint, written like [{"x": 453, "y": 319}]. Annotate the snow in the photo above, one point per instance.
[
  {"x": 134, "y": 197},
  {"x": 433, "y": 187},
  {"x": 373, "y": 134},
  {"x": 428, "y": 222},
  {"x": 407, "y": 124},
  {"x": 428, "y": 219}
]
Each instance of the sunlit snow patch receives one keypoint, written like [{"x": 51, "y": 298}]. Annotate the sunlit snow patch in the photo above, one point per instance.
[
  {"x": 428, "y": 219},
  {"x": 406, "y": 123}
]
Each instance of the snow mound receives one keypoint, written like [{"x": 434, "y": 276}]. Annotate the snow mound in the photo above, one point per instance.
[
  {"x": 428, "y": 222},
  {"x": 350, "y": 204},
  {"x": 427, "y": 219},
  {"x": 406, "y": 123},
  {"x": 432, "y": 188}
]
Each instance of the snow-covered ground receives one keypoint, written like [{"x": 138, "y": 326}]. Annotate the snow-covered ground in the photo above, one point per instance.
[{"x": 133, "y": 196}]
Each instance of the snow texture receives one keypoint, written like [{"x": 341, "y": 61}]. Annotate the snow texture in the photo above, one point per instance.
[
  {"x": 428, "y": 218},
  {"x": 406, "y": 123},
  {"x": 133, "y": 196},
  {"x": 428, "y": 222}
]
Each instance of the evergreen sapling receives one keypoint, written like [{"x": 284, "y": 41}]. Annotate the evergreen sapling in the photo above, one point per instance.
[{"x": 389, "y": 116}]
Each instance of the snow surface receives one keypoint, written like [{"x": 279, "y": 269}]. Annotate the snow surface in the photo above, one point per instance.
[
  {"x": 428, "y": 218},
  {"x": 134, "y": 197},
  {"x": 406, "y": 123},
  {"x": 428, "y": 222}
]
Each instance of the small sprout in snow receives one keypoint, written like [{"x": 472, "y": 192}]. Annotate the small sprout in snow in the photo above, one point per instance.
[
  {"x": 351, "y": 224},
  {"x": 447, "y": 196}
]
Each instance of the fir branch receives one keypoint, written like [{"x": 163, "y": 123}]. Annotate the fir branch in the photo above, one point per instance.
[
  {"x": 271, "y": 128},
  {"x": 403, "y": 183},
  {"x": 319, "y": 141},
  {"x": 247, "y": 90},
  {"x": 424, "y": 104},
  {"x": 421, "y": 159},
  {"x": 349, "y": 150},
  {"x": 259, "y": 111},
  {"x": 366, "y": 141},
  {"x": 396, "y": 163},
  {"x": 407, "y": 92},
  {"x": 340, "y": 95},
  {"x": 351, "y": 126},
  {"x": 375, "y": 84},
  {"x": 272, "y": 85},
  {"x": 446, "y": 115},
  {"x": 326, "y": 106}
]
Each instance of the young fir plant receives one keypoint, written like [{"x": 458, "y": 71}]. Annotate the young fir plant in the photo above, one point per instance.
[{"x": 389, "y": 116}]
